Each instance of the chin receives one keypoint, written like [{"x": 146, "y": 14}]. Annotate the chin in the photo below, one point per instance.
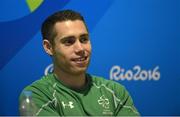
[{"x": 78, "y": 71}]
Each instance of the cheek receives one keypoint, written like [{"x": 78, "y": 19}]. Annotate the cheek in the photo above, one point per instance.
[
  {"x": 58, "y": 53},
  {"x": 89, "y": 48},
  {"x": 64, "y": 54}
]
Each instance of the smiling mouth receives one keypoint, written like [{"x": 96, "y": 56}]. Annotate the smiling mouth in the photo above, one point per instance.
[{"x": 80, "y": 59}]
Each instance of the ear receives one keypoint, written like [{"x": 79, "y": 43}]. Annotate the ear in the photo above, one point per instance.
[{"x": 47, "y": 47}]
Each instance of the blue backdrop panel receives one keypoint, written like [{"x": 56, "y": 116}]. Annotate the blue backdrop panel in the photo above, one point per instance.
[{"x": 135, "y": 43}]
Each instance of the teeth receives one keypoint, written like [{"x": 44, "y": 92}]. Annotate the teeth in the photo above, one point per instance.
[{"x": 81, "y": 59}]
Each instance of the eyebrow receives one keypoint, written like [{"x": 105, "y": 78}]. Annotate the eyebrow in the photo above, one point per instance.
[
  {"x": 62, "y": 40},
  {"x": 82, "y": 35}
]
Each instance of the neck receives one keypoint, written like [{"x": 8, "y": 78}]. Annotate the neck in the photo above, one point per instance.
[{"x": 71, "y": 80}]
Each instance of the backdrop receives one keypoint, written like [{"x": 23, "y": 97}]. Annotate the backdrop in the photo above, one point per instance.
[{"x": 135, "y": 42}]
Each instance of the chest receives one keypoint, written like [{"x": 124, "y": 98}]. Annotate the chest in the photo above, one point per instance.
[{"x": 95, "y": 102}]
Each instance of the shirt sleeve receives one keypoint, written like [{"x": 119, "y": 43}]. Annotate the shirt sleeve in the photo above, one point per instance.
[
  {"x": 125, "y": 105},
  {"x": 45, "y": 105}
]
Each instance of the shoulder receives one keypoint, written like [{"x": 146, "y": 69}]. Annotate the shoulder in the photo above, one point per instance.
[
  {"x": 115, "y": 88},
  {"x": 118, "y": 90},
  {"x": 43, "y": 86},
  {"x": 110, "y": 84},
  {"x": 43, "y": 82}
]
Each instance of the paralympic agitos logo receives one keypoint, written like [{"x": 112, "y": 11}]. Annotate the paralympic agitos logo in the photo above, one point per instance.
[{"x": 136, "y": 73}]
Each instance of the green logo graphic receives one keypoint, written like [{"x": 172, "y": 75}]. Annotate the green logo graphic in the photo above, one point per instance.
[{"x": 33, "y": 4}]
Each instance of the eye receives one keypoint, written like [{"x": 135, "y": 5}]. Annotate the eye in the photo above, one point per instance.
[
  {"x": 84, "y": 39},
  {"x": 68, "y": 41}
]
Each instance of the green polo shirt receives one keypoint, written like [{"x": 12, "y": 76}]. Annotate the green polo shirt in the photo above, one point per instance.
[{"x": 99, "y": 97}]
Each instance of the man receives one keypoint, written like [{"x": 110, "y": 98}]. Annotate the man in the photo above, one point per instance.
[{"x": 69, "y": 90}]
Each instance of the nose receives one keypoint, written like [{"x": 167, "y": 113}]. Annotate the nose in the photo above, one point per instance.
[{"x": 79, "y": 49}]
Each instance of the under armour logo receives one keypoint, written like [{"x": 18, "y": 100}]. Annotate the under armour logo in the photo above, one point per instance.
[
  {"x": 70, "y": 104},
  {"x": 104, "y": 102}
]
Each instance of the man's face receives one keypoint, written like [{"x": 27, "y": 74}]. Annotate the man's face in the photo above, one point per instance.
[{"x": 72, "y": 47}]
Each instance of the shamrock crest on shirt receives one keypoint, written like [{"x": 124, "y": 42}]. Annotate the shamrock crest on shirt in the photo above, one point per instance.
[{"x": 104, "y": 102}]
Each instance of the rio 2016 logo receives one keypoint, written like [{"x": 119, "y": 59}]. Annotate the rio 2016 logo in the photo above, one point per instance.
[
  {"x": 48, "y": 69},
  {"x": 136, "y": 73}
]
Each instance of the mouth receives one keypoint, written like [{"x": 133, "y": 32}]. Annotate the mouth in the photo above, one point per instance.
[{"x": 81, "y": 61}]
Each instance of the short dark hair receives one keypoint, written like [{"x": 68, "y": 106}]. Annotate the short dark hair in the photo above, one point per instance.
[{"x": 47, "y": 29}]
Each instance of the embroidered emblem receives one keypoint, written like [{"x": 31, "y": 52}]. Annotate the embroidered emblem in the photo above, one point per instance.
[
  {"x": 104, "y": 102},
  {"x": 69, "y": 104}
]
